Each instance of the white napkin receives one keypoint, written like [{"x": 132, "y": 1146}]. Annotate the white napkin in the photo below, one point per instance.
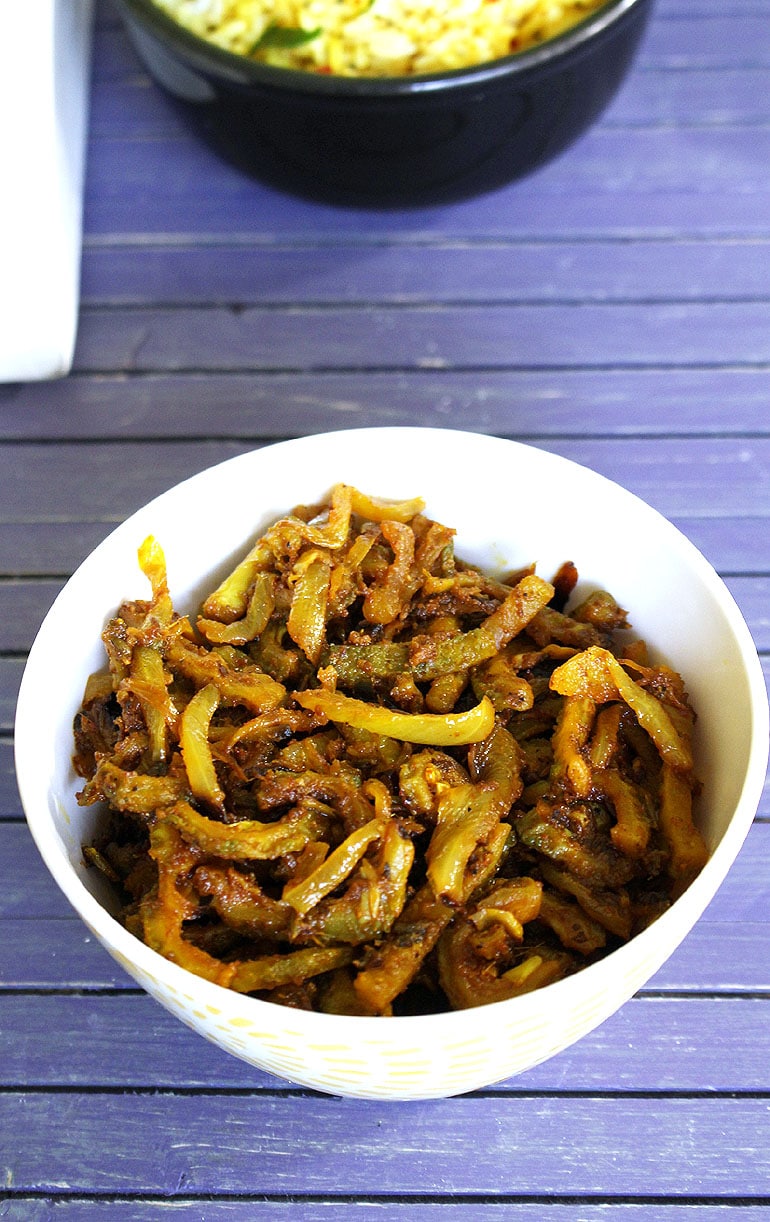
[{"x": 45, "y": 48}]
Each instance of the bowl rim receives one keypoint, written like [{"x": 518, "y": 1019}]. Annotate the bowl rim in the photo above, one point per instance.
[
  {"x": 685, "y": 910},
  {"x": 238, "y": 71}
]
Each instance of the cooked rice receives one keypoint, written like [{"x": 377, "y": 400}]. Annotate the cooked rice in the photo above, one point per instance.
[{"x": 377, "y": 37}]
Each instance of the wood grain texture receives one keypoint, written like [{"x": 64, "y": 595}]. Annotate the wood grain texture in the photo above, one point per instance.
[
  {"x": 23, "y": 606},
  {"x": 244, "y": 1208},
  {"x": 246, "y": 272},
  {"x": 10, "y": 804},
  {"x": 45, "y": 547},
  {"x": 617, "y": 187},
  {"x": 10, "y": 677},
  {"x": 172, "y": 1143},
  {"x": 528, "y": 403},
  {"x": 56, "y": 953},
  {"x": 103, "y": 482},
  {"x": 429, "y": 337}
]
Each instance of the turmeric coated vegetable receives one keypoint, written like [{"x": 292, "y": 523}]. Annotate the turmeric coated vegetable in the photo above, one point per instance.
[
  {"x": 370, "y": 779},
  {"x": 194, "y": 728},
  {"x": 433, "y": 729}
]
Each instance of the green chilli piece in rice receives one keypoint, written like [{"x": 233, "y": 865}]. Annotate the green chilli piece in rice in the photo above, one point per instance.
[{"x": 377, "y": 37}]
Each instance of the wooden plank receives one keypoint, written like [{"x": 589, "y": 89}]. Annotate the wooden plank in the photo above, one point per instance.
[
  {"x": 428, "y": 337},
  {"x": 696, "y": 477},
  {"x": 130, "y": 1042},
  {"x": 41, "y": 548},
  {"x": 126, "y": 104},
  {"x": 312, "y": 1145},
  {"x": 753, "y": 597},
  {"x": 713, "y": 96},
  {"x": 708, "y": 39},
  {"x": 23, "y": 606},
  {"x": 731, "y": 544},
  {"x": 113, "y": 55},
  {"x": 693, "y": 478},
  {"x": 106, "y": 16},
  {"x": 718, "y": 957},
  {"x": 528, "y": 403},
  {"x": 10, "y": 803},
  {"x": 232, "y": 206},
  {"x": 741, "y": 896},
  {"x": 244, "y": 1208},
  {"x": 618, "y": 182},
  {"x": 10, "y": 678},
  {"x": 98, "y": 483},
  {"x": 301, "y": 273},
  {"x": 29, "y": 891},
  {"x": 56, "y": 953}
]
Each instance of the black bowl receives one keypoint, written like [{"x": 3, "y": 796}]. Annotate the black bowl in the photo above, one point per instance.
[{"x": 398, "y": 140}]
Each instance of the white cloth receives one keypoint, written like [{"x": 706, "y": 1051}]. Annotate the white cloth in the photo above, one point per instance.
[{"x": 44, "y": 90}]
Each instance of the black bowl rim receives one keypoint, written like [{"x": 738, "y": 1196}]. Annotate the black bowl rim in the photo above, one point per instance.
[{"x": 238, "y": 71}]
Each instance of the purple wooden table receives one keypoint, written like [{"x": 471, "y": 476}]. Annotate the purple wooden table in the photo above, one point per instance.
[{"x": 615, "y": 308}]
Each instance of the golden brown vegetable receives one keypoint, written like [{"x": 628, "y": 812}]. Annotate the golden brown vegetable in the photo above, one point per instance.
[
  {"x": 599, "y": 676},
  {"x": 370, "y": 778}
]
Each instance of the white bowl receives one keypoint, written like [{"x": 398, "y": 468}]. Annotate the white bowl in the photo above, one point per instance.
[{"x": 511, "y": 504}]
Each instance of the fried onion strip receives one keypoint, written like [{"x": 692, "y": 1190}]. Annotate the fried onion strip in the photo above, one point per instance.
[
  {"x": 432, "y": 729},
  {"x": 306, "y": 893},
  {"x": 194, "y": 745}
]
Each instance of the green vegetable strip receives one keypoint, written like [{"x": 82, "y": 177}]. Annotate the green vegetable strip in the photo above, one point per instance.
[
  {"x": 228, "y": 602},
  {"x": 239, "y": 632},
  {"x": 248, "y": 840},
  {"x": 355, "y": 664},
  {"x": 284, "y": 36},
  {"x": 468, "y": 649},
  {"x": 132, "y": 792},
  {"x": 273, "y": 971},
  {"x": 469, "y": 813},
  {"x": 247, "y": 686}
]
